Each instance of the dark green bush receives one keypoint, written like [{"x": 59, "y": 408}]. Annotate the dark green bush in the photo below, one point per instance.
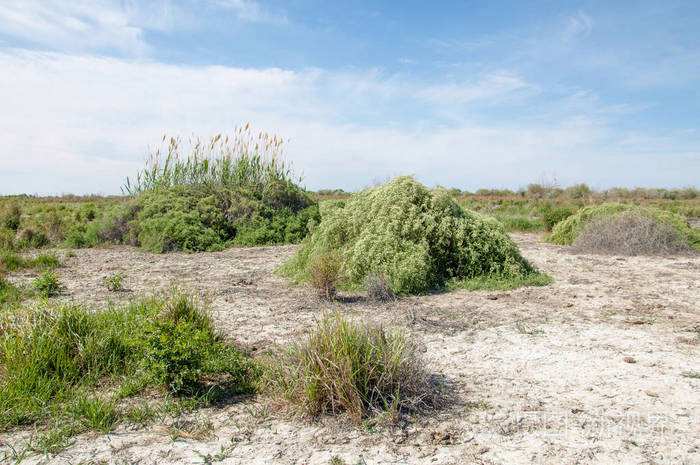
[
  {"x": 551, "y": 215},
  {"x": 191, "y": 219}
]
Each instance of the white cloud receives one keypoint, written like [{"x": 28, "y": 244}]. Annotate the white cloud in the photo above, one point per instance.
[
  {"x": 250, "y": 10},
  {"x": 82, "y": 124},
  {"x": 489, "y": 87},
  {"x": 77, "y": 25}
]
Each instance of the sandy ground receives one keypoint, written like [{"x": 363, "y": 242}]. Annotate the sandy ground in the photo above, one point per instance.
[{"x": 593, "y": 369}]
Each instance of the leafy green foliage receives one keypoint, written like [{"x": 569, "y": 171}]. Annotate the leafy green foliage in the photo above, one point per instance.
[
  {"x": 53, "y": 359},
  {"x": 345, "y": 367},
  {"x": 566, "y": 232},
  {"x": 418, "y": 239},
  {"x": 551, "y": 215}
]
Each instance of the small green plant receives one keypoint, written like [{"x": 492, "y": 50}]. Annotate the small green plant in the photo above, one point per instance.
[
  {"x": 179, "y": 347},
  {"x": 114, "y": 282},
  {"x": 55, "y": 439},
  {"x": 9, "y": 293},
  {"x": 47, "y": 284},
  {"x": 348, "y": 368},
  {"x": 94, "y": 413}
]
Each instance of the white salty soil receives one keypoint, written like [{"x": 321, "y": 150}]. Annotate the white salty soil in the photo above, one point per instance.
[{"x": 600, "y": 367}]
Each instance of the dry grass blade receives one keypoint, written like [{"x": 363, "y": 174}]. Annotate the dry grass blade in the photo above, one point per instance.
[{"x": 348, "y": 368}]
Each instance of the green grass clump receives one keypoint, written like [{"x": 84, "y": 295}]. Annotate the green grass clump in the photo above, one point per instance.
[
  {"x": 9, "y": 293},
  {"x": 47, "y": 284},
  {"x": 566, "y": 232},
  {"x": 11, "y": 261},
  {"x": 114, "y": 282},
  {"x": 349, "y": 368},
  {"x": 56, "y": 360},
  {"x": 418, "y": 239}
]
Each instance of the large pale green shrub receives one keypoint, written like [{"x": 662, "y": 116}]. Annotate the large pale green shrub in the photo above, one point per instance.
[
  {"x": 566, "y": 231},
  {"x": 420, "y": 240}
]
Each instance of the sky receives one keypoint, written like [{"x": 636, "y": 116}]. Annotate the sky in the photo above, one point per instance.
[{"x": 464, "y": 94}]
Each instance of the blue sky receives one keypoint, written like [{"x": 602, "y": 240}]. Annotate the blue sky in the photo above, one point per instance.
[{"x": 462, "y": 93}]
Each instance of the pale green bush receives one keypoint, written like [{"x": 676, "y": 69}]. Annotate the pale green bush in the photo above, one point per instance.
[
  {"x": 567, "y": 231},
  {"x": 420, "y": 240}
]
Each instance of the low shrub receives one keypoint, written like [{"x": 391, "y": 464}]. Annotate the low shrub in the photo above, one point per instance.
[
  {"x": 53, "y": 355},
  {"x": 81, "y": 235},
  {"x": 11, "y": 261},
  {"x": 418, "y": 239},
  {"x": 348, "y": 368},
  {"x": 566, "y": 232},
  {"x": 519, "y": 223},
  {"x": 47, "y": 261},
  {"x": 552, "y": 215},
  {"x": 630, "y": 233},
  {"x": 47, "y": 284},
  {"x": 11, "y": 217},
  {"x": 30, "y": 238}
]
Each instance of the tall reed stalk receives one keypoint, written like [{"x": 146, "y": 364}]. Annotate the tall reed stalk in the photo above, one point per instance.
[{"x": 243, "y": 159}]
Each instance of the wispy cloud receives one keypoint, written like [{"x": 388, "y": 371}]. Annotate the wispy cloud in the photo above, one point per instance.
[
  {"x": 577, "y": 25},
  {"x": 252, "y": 11},
  {"x": 91, "y": 119},
  {"x": 77, "y": 25},
  {"x": 115, "y": 27}
]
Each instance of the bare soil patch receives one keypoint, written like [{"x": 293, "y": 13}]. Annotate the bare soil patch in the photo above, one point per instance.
[{"x": 591, "y": 369}]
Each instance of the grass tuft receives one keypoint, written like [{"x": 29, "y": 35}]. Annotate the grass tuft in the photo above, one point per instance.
[
  {"x": 348, "y": 368},
  {"x": 114, "y": 282},
  {"x": 47, "y": 284}
]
